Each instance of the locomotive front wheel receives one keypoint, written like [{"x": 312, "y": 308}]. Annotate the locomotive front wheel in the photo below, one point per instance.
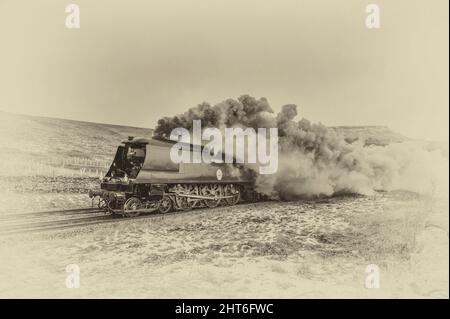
[
  {"x": 102, "y": 204},
  {"x": 165, "y": 205},
  {"x": 131, "y": 204}
]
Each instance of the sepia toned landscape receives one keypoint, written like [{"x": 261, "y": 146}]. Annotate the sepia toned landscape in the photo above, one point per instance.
[
  {"x": 224, "y": 149},
  {"x": 317, "y": 247}
]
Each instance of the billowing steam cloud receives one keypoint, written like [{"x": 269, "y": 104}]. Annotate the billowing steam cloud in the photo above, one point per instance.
[{"x": 317, "y": 161}]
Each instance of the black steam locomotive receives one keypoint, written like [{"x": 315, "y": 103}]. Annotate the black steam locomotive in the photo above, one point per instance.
[{"x": 143, "y": 178}]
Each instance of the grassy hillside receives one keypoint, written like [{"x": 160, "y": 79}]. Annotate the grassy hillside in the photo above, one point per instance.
[{"x": 48, "y": 146}]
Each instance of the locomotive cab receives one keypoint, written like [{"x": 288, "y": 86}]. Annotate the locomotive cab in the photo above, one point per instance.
[{"x": 128, "y": 160}]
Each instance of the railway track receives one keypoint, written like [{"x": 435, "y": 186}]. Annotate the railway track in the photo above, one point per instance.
[
  {"x": 76, "y": 211},
  {"x": 66, "y": 219},
  {"x": 51, "y": 220},
  {"x": 70, "y": 218}
]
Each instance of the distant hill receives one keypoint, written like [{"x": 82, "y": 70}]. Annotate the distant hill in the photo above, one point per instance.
[
  {"x": 370, "y": 135},
  {"x": 41, "y": 145}
]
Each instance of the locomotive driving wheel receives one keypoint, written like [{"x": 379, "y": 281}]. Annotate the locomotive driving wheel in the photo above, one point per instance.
[
  {"x": 211, "y": 190},
  {"x": 183, "y": 202},
  {"x": 234, "y": 192},
  {"x": 132, "y": 204},
  {"x": 165, "y": 205}
]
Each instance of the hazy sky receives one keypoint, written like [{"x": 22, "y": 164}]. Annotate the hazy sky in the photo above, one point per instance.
[{"x": 132, "y": 62}]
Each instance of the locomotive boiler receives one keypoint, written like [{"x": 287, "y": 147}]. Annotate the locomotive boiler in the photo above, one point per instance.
[{"x": 143, "y": 178}]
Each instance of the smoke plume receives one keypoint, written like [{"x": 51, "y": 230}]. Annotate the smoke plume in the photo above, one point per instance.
[{"x": 315, "y": 160}]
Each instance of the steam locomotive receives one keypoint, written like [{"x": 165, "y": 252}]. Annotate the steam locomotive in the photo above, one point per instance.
[{"x": 143, "y": 178}]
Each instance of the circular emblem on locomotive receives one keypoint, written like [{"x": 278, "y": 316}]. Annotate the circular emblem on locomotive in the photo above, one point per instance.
[{"x": 219, "y": 174}]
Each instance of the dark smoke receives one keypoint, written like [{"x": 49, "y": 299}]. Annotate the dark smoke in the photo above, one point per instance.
[{"x": 246, "y": 111}]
